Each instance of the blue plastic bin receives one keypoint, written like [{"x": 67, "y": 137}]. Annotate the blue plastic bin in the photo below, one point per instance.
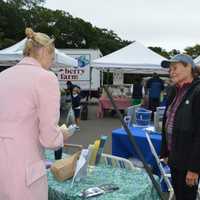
[{"x": 143, "y": 116}]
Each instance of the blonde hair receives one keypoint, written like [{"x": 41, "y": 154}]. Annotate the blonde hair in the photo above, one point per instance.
[{"x": 35, "y": 41}]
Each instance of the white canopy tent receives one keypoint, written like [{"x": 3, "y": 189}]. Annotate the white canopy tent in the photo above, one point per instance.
[
  {"x": 13, "y": 54},
  {"x": 197, "y": 60},
  {"x": 135, "y": 58}
]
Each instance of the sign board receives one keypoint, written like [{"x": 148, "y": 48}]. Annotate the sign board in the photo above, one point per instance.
[
  {"x": 80, "y": 74},
  {"x": 118, "y": 78},
  {"x": 84, "y": 75}
]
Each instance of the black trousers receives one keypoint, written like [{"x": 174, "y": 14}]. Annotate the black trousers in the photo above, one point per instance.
[
  {"x": 153, "y": 103},
  {"x": 181, "y": 190},
  {"x": 58, "y": 154}
]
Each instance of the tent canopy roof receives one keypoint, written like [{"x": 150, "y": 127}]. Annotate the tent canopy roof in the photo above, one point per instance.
[
  {"x": 13, "y": 54},
  {"x": 135, "y": 57}
]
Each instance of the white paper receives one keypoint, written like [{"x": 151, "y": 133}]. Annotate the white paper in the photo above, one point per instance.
[{"x": 81, "y": 166}]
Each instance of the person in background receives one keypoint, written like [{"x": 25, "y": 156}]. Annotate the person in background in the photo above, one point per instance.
[
  {"x": 181, "y": 132},
  {"x": 65, "y": 105},
  {"x": 137, "y": 92},
  {"x": 70, "y": 86},
  {"x": 168, "y": 85},
  {"x": 64, "y": 109},
  {"x": 30, "y": 125},
  {"x": 76, "y": 104},
  {"x": 154, "y": 87}
]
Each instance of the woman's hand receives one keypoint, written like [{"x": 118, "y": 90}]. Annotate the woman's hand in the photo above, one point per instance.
[
  {"x": 164, "y": 160},
  {"x": 65, "y": 132},
  {"x": 191, "y": 178}
]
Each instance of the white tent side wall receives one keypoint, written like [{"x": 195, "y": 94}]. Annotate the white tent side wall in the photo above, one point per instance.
[{"x": 197, "y": 60}]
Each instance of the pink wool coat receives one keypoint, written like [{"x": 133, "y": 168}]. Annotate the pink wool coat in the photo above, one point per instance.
[{"x": 29, "y": 113}]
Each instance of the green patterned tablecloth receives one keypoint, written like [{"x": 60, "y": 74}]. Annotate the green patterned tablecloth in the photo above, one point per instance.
[{"x": 133, "y": 184}]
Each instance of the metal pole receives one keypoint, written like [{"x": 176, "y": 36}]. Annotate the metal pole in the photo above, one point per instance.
[
  {"x": 90, "y": 82},
  {"x": 134, "y": 144}
]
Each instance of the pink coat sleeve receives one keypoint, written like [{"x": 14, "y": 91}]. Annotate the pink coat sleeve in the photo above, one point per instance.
[{"x": 48, "y": 108}]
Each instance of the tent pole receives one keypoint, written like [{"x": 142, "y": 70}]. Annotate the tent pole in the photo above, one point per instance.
[
  {"x": 90, "y": 81},
  {"x": 102, "y": 77}
]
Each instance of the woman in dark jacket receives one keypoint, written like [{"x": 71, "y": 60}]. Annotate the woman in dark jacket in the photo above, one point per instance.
[
  {"x": 137, "y": 91},
  {"x": 181, "y": 132}
]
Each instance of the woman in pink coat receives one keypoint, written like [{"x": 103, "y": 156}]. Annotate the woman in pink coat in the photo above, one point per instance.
[{"x": 29, "y": 113}]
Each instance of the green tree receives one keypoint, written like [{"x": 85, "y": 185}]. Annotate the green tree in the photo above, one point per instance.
[
  {"x": 107, "y": 41},
  {"x": 174, "y": 52},
  {"x": 193, "y": 51},
  {"x": 69, "y": 32},
  {"x": 11, "y": 24},
  {"x": 26, "y": 3},
  {"x": 160, "y": 51}
]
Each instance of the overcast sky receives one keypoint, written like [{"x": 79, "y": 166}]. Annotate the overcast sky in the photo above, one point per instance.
[{"x": 170, "y": 24}]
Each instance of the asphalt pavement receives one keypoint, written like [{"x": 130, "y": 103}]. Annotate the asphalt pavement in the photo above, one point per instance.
[{"x": 92, "y": 128}]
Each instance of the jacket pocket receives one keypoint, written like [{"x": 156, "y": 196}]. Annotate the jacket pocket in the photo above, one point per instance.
[{"x": 34, "y": 172}]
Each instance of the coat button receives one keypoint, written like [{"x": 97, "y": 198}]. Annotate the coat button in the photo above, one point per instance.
[{"x": 187, "y": 102}]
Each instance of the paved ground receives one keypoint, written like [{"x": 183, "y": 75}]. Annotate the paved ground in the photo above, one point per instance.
[{"x": 92, "y": 128}]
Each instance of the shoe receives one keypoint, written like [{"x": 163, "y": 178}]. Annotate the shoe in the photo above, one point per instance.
[{"x": 78, "y": 128}]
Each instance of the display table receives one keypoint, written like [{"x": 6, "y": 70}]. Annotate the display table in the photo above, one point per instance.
[
  {"x": 121, "y": 146},
  {"x": 104, "y": 103},
  {"x": 133, "y": 184}
]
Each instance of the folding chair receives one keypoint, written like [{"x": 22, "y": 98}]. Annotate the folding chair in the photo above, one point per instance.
[
  {"x": 116, "y": 161},
  {"x": 164, "y": 175}
]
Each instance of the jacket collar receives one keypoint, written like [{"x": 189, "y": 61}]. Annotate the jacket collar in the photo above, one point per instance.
[
  {"x": 194, "y": 83},
  {"x": 29, "y": 61}
]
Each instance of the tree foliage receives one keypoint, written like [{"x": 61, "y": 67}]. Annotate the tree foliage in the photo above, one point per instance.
[
  {"x": 160, "y": 51},
  {"x": 193, "y": 51},
  {"x": 25, "y": 3},
  {"x": 68, "y": 31}
]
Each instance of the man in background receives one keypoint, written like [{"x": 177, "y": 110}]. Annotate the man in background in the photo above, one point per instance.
[{"x": 137, "y": 94}]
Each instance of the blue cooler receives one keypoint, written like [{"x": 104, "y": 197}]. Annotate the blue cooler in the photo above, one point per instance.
[{"x": 143, "y": 117}]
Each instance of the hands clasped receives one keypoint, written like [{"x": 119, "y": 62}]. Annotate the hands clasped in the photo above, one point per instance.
[{"x": 191, "y": 178}]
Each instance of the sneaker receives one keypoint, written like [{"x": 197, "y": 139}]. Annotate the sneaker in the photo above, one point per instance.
[{"x": 78, "y": 128}]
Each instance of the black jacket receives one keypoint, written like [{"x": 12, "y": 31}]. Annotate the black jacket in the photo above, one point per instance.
[
  {"x": 185, "y": 149},
  {"x": 76, "y": 101},
  {"x": 137, "y": 91}
]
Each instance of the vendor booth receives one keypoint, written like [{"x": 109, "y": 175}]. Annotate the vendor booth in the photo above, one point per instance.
[
  {"x": 13, "y": 54},
  {"x": 134, "y": 58}
]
